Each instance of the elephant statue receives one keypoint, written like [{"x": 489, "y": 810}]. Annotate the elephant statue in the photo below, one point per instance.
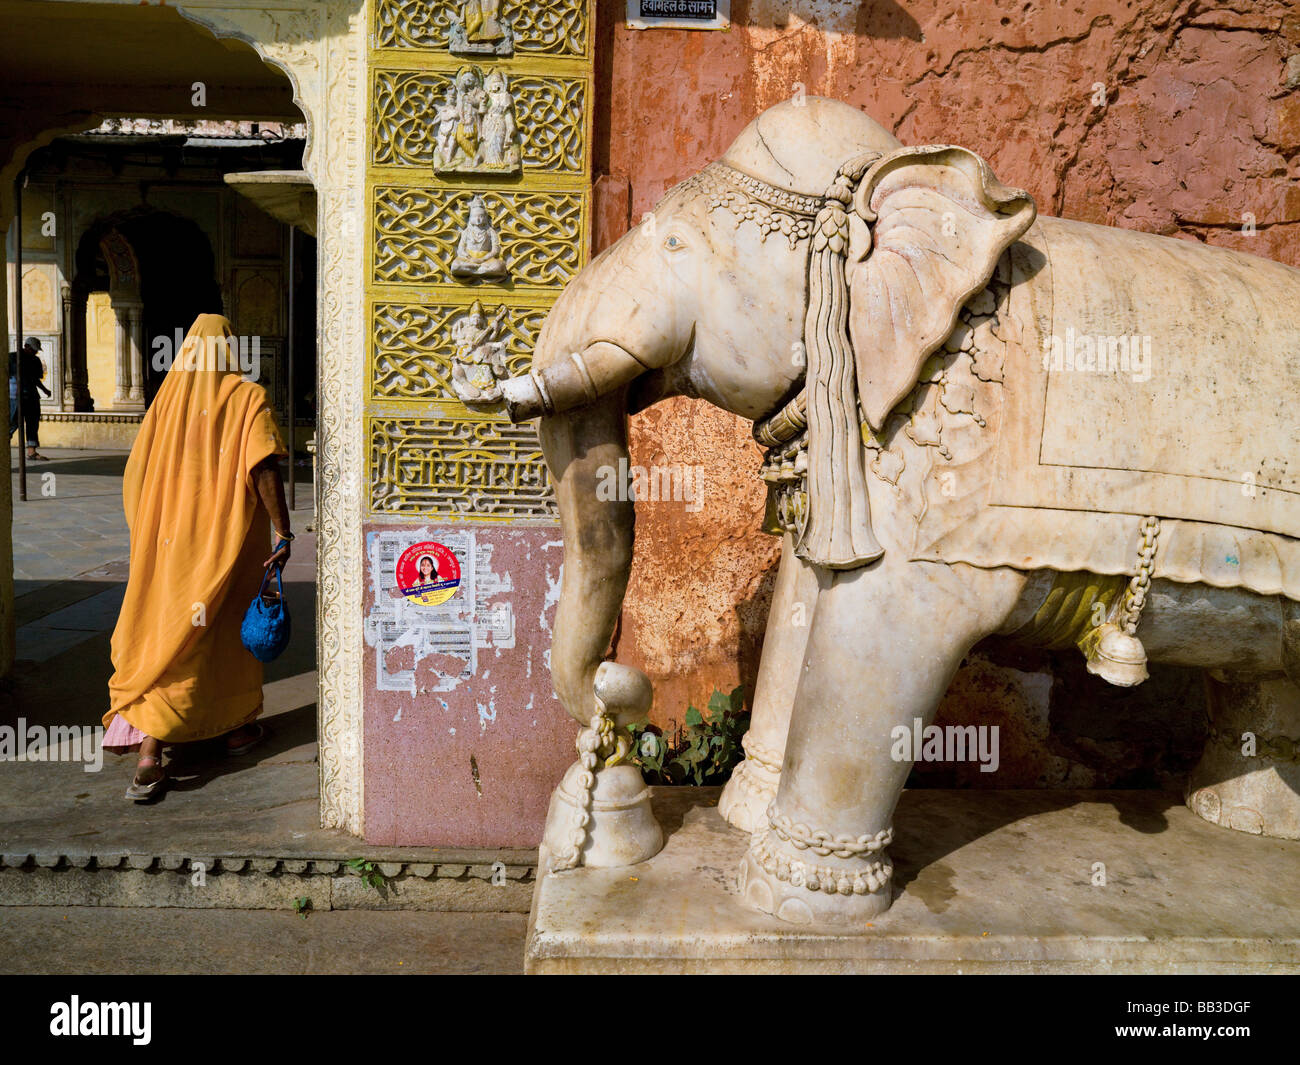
[{"x": 977, "y": 420}]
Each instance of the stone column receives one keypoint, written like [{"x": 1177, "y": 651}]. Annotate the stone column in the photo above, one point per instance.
[
  {"x": 65, "y": 351},
  {"x": 81, "y": 397},
  {"x": 136, "y": 355},
  {"x": 128, "y": 394},
  {"x": 322, "y": 45}
]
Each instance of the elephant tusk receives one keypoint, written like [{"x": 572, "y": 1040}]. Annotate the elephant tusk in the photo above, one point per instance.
[{"x": 525, "y": 397}]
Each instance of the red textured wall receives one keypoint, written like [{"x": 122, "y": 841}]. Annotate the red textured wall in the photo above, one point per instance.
[{"x": 1200, "y": 125}]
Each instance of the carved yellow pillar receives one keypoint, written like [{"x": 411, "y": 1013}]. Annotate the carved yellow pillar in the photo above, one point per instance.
[{"x": 478, "y": 179}]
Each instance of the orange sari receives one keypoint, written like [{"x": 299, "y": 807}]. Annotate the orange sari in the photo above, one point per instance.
[{"x": 199, "y": 536}]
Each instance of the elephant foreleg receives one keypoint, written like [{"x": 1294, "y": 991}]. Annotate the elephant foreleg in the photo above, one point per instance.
[
  {"x": 885, "y": 642},
  {"x": 753, "y": 783}
]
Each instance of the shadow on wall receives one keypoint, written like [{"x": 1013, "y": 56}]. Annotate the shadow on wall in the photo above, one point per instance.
[
  {"x": 1061, "y": 727},
  {"x": 875, "y": 18},
  {"x": 751, "y": 624}
]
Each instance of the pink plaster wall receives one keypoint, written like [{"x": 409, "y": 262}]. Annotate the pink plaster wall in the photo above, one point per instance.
[{"x": 474, "y": 766}]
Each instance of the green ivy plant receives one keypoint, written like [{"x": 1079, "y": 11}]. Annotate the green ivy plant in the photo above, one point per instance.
[
  {"x": 370, "y": 873},
  {"x": 702, "y": 751},
  {"x": 302, "y": 906}
]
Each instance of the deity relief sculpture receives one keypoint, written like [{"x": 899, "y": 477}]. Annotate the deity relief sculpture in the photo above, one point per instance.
[
  {"x": 499, "y": 134},
  {"x": 478, "y": 251},
  {"x": 1002, "y": 423},
  {"x": 480, "y": 359},
  {"x": 474, "y": 129},
  {"x": 481, "y": 29}
]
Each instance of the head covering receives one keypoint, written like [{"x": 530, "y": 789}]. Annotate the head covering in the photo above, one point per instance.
[
  {"x": 34, "y": 343},
  {"x": 190, "y": 504}
]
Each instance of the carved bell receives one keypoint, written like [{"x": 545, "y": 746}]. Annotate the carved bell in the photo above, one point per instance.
[{"x": 1118, "y": 657}]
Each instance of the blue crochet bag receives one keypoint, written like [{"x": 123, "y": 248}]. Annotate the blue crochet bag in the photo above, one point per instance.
[{"x": 265, "y": 630}]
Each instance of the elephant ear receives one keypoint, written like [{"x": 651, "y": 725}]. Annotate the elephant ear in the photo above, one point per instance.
[{"x": 940, "y": 220}]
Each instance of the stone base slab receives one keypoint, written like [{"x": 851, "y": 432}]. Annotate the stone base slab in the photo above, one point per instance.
[{"x": 984, "y": 882}]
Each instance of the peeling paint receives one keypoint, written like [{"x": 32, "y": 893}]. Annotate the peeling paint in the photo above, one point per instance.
[{"x": 421, "y": 649}]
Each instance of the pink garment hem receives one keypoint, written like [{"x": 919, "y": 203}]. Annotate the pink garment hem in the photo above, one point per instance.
[{"x": 122, "y": 736}]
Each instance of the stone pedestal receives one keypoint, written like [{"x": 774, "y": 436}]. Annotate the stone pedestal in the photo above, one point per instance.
[{"x": 1000, "y": 881}]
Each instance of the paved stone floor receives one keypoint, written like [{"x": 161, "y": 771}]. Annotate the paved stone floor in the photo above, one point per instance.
[{"x": 90, "y": 940}]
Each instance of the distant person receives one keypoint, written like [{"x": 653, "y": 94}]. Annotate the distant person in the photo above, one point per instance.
[
  {"x": 201, "y": 491},
  {"x": 33, "y": 375}
]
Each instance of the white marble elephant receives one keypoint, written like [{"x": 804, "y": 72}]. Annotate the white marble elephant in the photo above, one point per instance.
[{"x": 976, "y": 422}]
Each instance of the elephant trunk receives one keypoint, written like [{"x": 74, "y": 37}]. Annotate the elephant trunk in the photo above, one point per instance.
[
  {"x": 580, "y": 448},
  {"x": 568, "y": 382},
  {"x": 611, "y": 324}
]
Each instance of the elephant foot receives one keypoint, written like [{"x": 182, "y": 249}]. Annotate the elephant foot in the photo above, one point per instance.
[
  {"x": 837, "y": 882},
  {"x": 1248, "y": 777},
  {"x": 600, "y": 822},
  {"x": 752, "y": 788}
]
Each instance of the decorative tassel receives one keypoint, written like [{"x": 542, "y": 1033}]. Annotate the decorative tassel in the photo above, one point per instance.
[{"x": 838, "y": 531}]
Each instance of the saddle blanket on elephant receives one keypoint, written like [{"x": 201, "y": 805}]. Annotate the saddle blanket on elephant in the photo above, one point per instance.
[{"x": 1136, "y": 376}]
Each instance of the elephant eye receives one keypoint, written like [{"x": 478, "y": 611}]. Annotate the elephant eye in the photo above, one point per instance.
[{"x": 674, "y": 242}]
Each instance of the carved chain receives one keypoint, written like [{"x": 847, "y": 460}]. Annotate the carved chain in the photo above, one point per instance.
[
  {"x": 755, "y": 751},
  {"x": 1136, "y": 596},
  {"x": 866, "y": 880},
  {"x": 822, "y": 843},
  {"x": 592, "y": 742}
]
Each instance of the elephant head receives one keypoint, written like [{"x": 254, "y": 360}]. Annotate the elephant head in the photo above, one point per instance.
[{"x": 708, "y": 298}]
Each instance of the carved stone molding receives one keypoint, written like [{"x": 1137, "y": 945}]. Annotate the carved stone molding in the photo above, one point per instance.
[
  {"x": 450, "y": 468},
  {"x": 539, "y": 27},
  {"x": 418, "y": 229},
  {"x": 415, "y": 345},
  {"x": 551, "y": 111}
]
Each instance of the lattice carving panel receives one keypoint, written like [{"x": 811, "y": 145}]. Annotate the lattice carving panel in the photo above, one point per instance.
[
  {"x": 415, "y": 344},
  {"x": 540, "y": 27},
  {"x": 449, "y": 468},
  {"x": 550, "y": 112},
  {"x": 417, "y": 231}
]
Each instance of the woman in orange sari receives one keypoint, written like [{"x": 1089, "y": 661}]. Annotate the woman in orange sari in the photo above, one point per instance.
[{"x": 201, "y": 489}]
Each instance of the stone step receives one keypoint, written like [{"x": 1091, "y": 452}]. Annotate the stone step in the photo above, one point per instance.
[
  {"x": 441, "y": 879},
  {"x": 241, "y": 834}
]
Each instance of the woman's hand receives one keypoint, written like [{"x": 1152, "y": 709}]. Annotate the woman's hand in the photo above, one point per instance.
[
  {"x": 270, "y": 489},
  {"x": 281, "y": 553}
]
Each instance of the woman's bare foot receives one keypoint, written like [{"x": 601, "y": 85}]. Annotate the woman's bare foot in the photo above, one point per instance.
[
  {"x": 148, "y": 768},
  {"x": 245, "y": 738},
  {"x": 149, "y": 773}
]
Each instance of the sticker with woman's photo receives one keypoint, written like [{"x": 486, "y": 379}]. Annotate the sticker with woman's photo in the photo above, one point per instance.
[{"x": 428, "y": 574}]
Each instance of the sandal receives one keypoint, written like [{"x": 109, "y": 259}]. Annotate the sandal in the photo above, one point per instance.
[
  {"x": 259, "y": 733},
  {"x": 142, "y": 791}
]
